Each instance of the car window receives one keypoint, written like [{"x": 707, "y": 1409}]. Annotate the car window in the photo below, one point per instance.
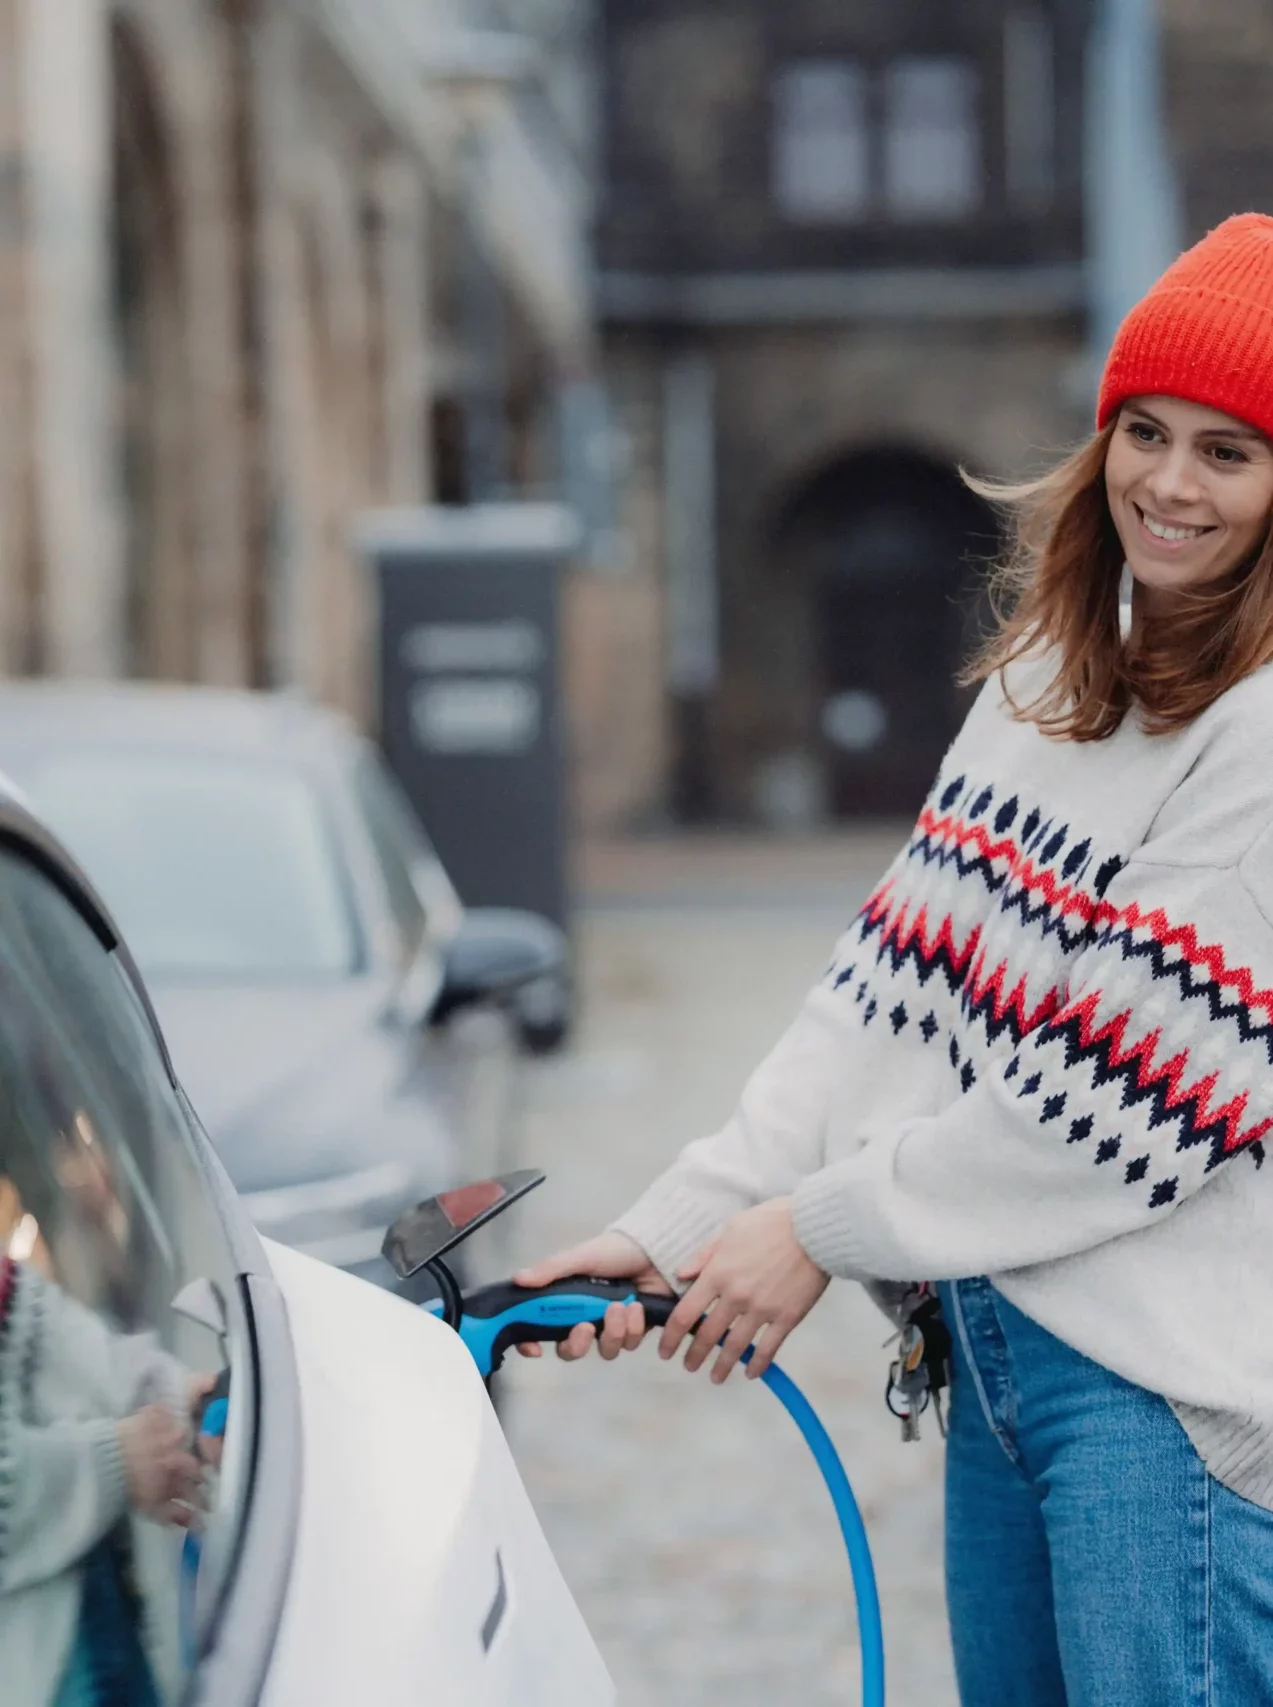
[
  {"x": 420, "y": 893},
  {"x": 109, "y": 1238},
  {"x": 217, "y": 869},
  {"x": 395, "y": 856}
]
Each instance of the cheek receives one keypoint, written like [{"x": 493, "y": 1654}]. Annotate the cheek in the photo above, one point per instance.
[
  {"x": 1247, "y": 512},
  {"x": 1117, "y": 477}
]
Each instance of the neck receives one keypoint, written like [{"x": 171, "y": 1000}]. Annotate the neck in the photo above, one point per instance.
[{"x": 1149, "y": 604}]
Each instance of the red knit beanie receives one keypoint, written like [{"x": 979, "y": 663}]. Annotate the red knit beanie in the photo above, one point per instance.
[{"x": 1205, "y": 331}]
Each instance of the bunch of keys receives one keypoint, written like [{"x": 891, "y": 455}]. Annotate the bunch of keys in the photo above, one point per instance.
[{"x": 920, "y": 1371}]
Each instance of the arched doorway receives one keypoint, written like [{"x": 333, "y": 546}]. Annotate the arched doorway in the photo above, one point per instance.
[
  {"x": 152, "y": 406},
  {"x": 890, "y": 548}
]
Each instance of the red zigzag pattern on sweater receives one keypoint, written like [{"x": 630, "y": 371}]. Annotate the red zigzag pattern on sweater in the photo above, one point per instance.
[{"x": 906, "y": 932}]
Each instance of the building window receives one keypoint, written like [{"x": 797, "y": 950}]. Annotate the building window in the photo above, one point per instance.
[
  {"x": 932, "y": 139},
  {"x": 821, "y": 151}
]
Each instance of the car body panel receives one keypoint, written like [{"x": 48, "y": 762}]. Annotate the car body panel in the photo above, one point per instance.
[{"x": 424, "y": 1567}]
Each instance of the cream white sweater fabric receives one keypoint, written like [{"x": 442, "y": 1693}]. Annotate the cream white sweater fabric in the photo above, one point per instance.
[
  {"x": 1043, "y": 1052},
  {"x": 65, "y": 1381}
]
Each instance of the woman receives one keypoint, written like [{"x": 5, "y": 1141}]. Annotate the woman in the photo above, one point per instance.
[{"x": 1040, "y": 1068}]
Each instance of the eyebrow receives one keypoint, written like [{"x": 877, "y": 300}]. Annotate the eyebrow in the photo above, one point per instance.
[{"x": 1237, "y": 431}]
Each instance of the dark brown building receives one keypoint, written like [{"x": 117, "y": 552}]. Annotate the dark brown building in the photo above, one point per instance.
[
  {"x": 841, "y": 255},
  {"x": 1218, "y": 84},
  {"x": 845, "y": 250}
]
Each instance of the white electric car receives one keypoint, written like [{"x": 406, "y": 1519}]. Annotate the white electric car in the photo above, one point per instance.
[{"x": 366, "y": 1538}]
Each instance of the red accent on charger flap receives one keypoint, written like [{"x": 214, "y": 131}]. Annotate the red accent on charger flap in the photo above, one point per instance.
[{"x": 467, "y": 1202}]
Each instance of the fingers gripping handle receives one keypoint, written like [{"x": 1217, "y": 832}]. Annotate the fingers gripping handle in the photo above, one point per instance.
[{"x": 503, "y": 1315}]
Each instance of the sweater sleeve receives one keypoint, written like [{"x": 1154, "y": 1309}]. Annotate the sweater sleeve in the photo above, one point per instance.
[
  {"x": 143, "y": 1373},
  {"x": 1153, "y": 1073},
  {"x": 131, "y": 1369},
  {"x": 773, "y": 1139},
  {"x": 64, "y": 1488},
  {"x": 62, "y": 1481}
]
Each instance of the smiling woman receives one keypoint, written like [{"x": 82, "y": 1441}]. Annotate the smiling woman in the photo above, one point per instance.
[
  {"x": 1175, "y": 491},
  {"x": 1036, "y": 1074}
]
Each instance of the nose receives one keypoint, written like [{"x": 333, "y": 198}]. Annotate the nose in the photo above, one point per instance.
[{"x": 1173, "y": 480}]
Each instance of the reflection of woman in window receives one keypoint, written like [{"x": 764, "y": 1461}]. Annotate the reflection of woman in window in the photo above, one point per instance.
[{"x": 93, "y": 1424}]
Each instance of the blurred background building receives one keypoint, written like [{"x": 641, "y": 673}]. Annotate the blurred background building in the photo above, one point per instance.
[
  {"x": 766, "y": 276},
  {"x": 266, "y": 263}
]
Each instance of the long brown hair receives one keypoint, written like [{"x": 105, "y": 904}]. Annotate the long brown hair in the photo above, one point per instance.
[{"x": 1058, "y": 589}]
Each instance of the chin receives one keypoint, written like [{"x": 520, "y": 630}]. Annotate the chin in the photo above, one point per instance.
[{"x": 1163, "y": 578}]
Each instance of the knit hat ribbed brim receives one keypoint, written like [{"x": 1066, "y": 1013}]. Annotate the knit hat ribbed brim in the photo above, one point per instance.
[{"x": 1204, "y": 333}]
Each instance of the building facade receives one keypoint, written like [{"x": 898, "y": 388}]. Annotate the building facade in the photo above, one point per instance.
[
  {"x": 844, "y": 253},
  {"x": 1218, "y": 89},
  {"x": 264, "y": 264},
  {"x": 841, "y": 257}
]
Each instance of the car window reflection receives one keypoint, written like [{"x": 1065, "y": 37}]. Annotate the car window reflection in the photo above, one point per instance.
[{"x": 108, "y": 1480}]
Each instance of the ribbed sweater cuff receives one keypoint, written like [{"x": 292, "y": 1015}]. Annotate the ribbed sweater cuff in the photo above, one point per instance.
[
  {"x": 671, "y": 1223},
  {"x": 823, "y": 1226},
  {"x": 111, "y": 1477}
]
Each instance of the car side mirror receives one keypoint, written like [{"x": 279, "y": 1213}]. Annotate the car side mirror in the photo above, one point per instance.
[{"x": 496, "y": 952}]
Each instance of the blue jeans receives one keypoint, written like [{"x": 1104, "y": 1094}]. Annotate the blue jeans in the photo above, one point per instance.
[
  {"x": 1091, "y": 1559},
  {"x": 107, "y": 1665}
]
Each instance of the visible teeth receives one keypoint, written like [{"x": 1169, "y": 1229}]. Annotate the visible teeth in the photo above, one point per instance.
[{"x": 1160, "y": 530}]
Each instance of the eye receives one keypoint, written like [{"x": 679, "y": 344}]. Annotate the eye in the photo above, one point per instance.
[
  {"x": 1229, "y": 455},
  {"x": 1143, "y": 432}
]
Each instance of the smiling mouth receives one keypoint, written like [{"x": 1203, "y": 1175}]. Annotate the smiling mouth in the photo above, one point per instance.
[{"x": 1166, "y": 533}]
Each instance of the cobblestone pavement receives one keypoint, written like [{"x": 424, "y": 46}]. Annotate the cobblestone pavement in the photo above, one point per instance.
[{"x": 690, "y": 1520}]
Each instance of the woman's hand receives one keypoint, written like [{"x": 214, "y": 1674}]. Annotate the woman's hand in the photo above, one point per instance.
[
  {"x": 755, "y": 1275},
  {"x": 165, "y": 1479},
  {"x": 610, "y": 1256},
  {"x": 198, "y": 1387}
]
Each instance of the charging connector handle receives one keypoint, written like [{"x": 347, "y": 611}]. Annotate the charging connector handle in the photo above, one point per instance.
[{"x": 498, "y": 1317}]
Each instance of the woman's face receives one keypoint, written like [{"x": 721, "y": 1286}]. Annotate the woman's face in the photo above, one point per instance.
[{"x": 1190, "y": 491}]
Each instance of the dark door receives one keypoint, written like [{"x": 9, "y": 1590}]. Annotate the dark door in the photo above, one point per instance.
[{"x": 896, "y": 555}]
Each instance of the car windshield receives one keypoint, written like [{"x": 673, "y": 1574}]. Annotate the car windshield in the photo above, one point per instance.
[{"x": 214, "y": 868}]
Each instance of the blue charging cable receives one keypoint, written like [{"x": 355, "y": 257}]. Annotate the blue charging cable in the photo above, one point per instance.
[
  {"x": 865, "y": 1589},
  {"x": 210, "y": 1421},
  {"x": 496, "y": 1317}
]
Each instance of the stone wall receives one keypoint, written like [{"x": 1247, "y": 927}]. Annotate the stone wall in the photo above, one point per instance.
[
  {"x": 1218, "y": 69},
  {"x": 809, "y": 373},
  {"x": 996, "y": 399},
  {"x": 614, "y": 643},
  {"x": 227, "y": 269},
  {"x": 1001, "y": 400},
  {"x": 191, "y": 417}
]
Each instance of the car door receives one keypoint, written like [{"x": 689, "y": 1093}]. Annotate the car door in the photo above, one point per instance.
[{"x": 119, "y": 1299}]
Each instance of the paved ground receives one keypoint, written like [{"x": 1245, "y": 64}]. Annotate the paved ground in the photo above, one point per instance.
[{"x": 689, "y": 1520}]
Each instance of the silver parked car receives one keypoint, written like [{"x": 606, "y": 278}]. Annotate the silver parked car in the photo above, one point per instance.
[
  {"x": 363, "y": 1535},
  {"x": 341, "y": 1023}
]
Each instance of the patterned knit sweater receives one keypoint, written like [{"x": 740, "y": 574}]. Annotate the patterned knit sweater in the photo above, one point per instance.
[{"x": 1043, "y": 1051}]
